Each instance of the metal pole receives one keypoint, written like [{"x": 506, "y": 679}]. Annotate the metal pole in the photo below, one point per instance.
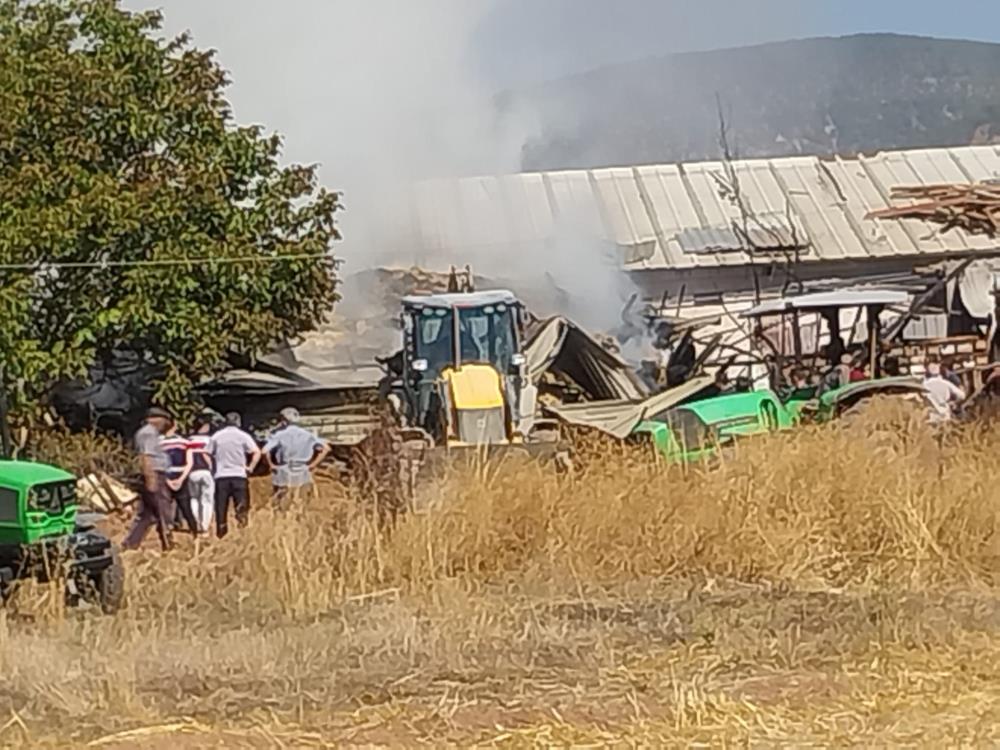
[
  {"x": 6, "y": 444},
  {"x": 874, "y": 312}
]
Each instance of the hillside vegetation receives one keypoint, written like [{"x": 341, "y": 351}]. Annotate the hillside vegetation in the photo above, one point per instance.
[{"x": 816, "y": 96}]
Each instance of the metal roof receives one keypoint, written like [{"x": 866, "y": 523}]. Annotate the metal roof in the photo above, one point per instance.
[
  {"x": 819, "y": 300},
  {"x": 677, "y": 215},
  {"x": 620, "y": 418},
  {"x": 301, "y": 379},
  {"x": 462, "y": 299}
]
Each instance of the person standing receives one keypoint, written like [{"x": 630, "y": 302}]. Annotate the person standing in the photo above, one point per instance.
[
  {"x": 154, "y": 500},
  {"x": 201, "y": 482},
  {"x": 944, "y": 396},
  {"x": 178, "y": 470},
  {"x": 235, "y": 455},
  {"x": 293, "y": 453}
]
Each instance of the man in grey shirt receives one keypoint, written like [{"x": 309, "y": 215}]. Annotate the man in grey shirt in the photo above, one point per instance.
[
  {"x": 235, "y": 455},
  {"x": 154, "y": 499},
  {"x": 293, "y": 453}
]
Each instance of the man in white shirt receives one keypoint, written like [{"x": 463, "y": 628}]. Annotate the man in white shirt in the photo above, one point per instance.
[
  {"x": 942, "y": 394},
  {"x": 235, "y": 456},
  {"x": 293, "y": 453}
]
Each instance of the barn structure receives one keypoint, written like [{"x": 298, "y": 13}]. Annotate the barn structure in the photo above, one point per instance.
[{"x": 704, "y": 240}]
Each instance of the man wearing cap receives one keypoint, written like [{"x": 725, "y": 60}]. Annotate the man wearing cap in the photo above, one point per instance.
[
  {"x": 154, "y": 499},
  {"x": 235, "y": 455},
  {"x": 293, "y": 453}
]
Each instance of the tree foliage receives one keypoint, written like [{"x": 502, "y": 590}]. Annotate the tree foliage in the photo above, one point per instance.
[{"x": 119, "y": 164}]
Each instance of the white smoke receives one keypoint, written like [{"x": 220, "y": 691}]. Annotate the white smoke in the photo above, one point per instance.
[
  {"x": 379, "y": 93},
  {"x": 383, "y": 94}
]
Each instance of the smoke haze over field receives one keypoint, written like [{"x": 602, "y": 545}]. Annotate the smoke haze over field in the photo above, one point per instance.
[{"x": 379, "y": 93}]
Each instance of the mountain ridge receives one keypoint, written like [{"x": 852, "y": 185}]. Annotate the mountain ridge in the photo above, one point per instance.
[{"x": 825, "y": 95}]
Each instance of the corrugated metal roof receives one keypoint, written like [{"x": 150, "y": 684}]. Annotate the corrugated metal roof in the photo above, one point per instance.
[{"x": 659, "y": 215}]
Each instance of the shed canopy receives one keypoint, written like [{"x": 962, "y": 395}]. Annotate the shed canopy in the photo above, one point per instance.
[{"x": 822, "y": 300}]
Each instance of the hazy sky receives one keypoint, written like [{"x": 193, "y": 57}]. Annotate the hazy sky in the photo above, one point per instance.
[
  {"x": 523, "y": 40},
  {"x": 517, "y": 41}
]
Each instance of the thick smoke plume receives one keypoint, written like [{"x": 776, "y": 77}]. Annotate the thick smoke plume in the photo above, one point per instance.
[{"x": 385, "y": 93}]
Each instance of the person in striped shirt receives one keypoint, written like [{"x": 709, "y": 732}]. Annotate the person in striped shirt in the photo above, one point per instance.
[
  {"x": 176, "y": 448},
  {"x": 201, "y": 481}
]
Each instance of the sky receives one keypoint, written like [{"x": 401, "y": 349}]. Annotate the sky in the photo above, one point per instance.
[{"x": 383, "y": 93}]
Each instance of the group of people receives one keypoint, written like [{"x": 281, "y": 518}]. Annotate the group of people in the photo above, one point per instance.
[{"x": 199, "y": 478}]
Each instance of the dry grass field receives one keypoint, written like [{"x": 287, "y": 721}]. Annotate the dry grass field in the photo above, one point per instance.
[{"x": 829, "y": 587}]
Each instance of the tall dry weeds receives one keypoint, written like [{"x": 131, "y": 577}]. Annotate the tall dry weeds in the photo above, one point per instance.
[
  {"x": 875, "y": 502},
  {"x": 632, "y": 599}
]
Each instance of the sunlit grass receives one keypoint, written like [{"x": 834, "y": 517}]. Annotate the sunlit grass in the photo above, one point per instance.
[{"x": 825, "y": 586}]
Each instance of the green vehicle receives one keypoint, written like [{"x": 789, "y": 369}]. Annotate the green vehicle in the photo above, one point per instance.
[
  {"x": 693, "y": 429},
  {"x": 43, "y": 537},
  {"x": 838, "y": 402},
  {"x": 696, "y": 430}
]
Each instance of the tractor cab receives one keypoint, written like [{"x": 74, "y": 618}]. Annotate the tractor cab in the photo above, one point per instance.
[
  {"x": 804, "y": 334},
  {"x": 42, "y": 537},
  {"x": 462, "y": 369},
  {"x": 37, "y": 502}
]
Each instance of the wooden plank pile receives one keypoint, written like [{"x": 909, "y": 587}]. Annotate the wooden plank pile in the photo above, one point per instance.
[
  {"x": 104, "y": 494},
  {"x": 974, "y": 207}
]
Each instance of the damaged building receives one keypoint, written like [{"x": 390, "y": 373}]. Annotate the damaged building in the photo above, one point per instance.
[
  {"x": 706, "y": 241},
  {"x": 334, "y": 378},
  {"x": 698, "y": 244}
]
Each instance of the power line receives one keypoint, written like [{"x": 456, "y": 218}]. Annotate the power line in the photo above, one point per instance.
[{"x": 100, "y": 264}]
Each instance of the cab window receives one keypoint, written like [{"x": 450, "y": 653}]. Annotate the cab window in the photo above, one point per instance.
[
  {"x": 53, "y": 497},
  {"x": 434, "y": 338},
  {"x": 487, "y": 335},
  {"x": 8, "y": 505}
]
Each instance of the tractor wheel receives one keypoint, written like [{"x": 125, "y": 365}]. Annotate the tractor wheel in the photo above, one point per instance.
[
  {"x": 7, "y": 591},
  {"x": 109, "y": 586}
]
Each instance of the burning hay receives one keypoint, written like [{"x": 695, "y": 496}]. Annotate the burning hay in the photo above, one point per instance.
[{"x": 974, "y": 208}]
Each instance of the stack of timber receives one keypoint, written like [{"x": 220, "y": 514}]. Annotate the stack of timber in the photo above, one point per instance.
[{"x": 974, "y": 208}]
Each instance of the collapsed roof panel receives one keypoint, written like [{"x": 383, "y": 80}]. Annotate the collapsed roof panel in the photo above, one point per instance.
[
  {"x": 566, "y": 350},
  {"x": 620, "y": 418}
]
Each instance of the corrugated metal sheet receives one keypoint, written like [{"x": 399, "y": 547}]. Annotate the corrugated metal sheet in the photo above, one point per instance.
[
  {"x": 657, "y": 215},
  {"x": 620, "y": 418}
]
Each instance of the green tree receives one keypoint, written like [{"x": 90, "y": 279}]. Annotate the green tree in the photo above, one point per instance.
[{"x": 134, "y": 214}]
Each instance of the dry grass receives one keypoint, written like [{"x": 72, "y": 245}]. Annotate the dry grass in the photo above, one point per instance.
[{"x": 828, "y": 587}]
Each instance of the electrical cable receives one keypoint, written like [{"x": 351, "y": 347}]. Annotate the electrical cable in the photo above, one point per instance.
[{"x": 101, "y": 264}]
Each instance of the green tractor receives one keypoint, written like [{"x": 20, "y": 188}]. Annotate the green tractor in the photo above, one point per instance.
[
  {"x": 43, "y": 537},
  {"x": 695, "y": 430}
]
